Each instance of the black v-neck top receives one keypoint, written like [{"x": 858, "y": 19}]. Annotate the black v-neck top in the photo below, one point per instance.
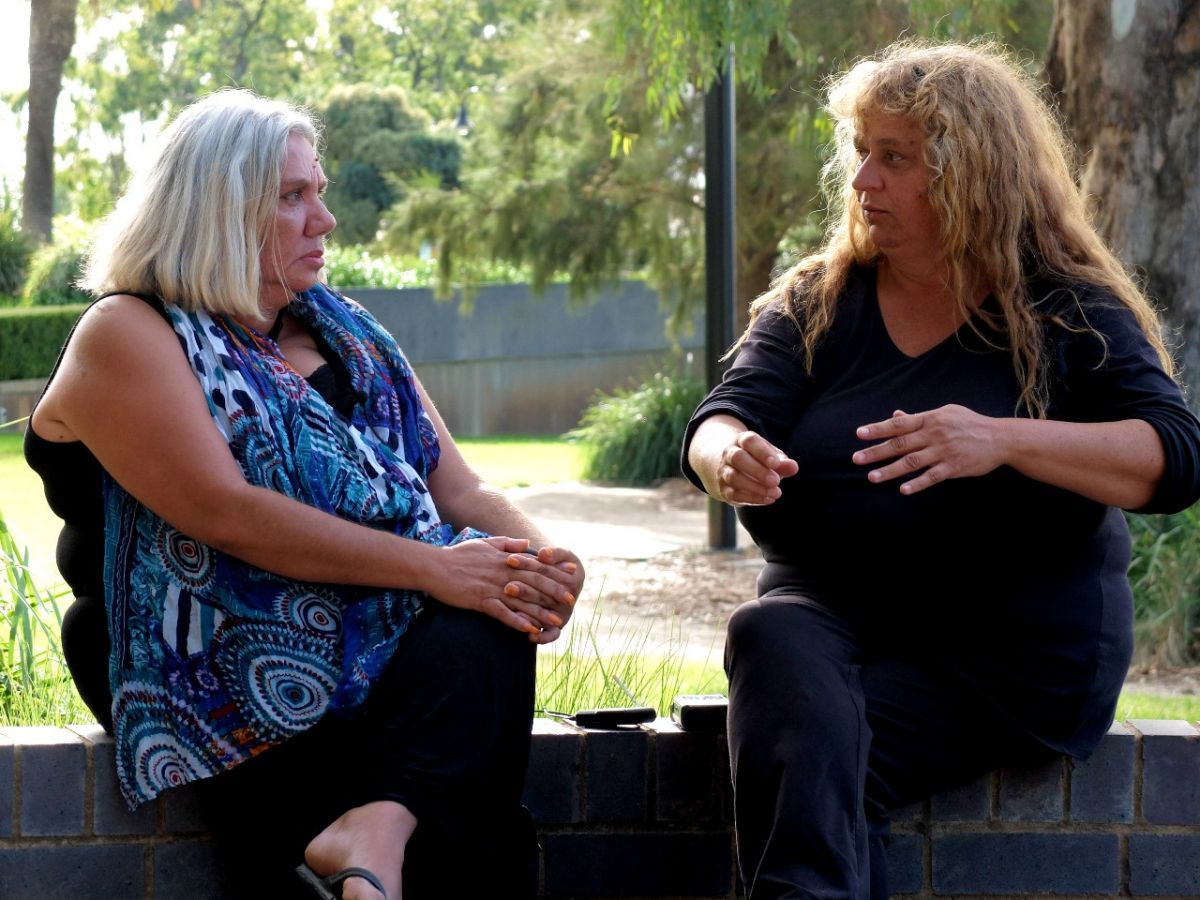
[{"x": 1021, "y": 583}]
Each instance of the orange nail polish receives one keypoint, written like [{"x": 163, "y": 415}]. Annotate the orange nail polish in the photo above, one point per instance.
[
  {"x": 512, "y": 590},
  {"x": 555, "y": 620}
]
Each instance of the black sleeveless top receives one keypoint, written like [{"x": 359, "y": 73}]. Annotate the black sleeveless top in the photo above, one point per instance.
[{"x": 73, "y": 482}]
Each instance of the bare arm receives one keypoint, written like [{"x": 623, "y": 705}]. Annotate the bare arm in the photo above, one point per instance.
[
  {"x": 738, "y": 466},
  {"x": 126, "y": 391},
  {"x": 1115, "y": 463},
  {"x": 463, "y": 498}
]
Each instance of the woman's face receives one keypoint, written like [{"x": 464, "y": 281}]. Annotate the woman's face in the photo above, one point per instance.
[
  {"x": 293, "y": 251},
  {"x": 892, "y": 184}
]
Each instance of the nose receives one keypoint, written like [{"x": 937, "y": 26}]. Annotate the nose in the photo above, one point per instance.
[
  {"x": 866, "y": 178},
  {"x": 322, "y": 221}
]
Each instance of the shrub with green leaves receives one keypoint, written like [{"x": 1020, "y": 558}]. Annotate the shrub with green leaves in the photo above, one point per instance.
[
  {"x": 354, "y": 266},
  {"x": 632, "y": 436},
  {"x": 31, "y": 338},
  {"x": 1165, "y": 575},
  {"x": 53, "y": 271},
  {"x": 14, "y": 254},
  {"x": 35, "y": 686}
]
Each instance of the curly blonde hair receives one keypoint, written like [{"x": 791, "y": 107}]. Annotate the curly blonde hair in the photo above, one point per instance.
[
  {"x": 1002, "y": 190},
  {"x": 190, "y": 227}
]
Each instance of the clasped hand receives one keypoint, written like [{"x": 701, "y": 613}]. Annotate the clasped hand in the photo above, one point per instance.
[
  {"x": 947, "y": 442},
  {"x": 496, "y": 576}
]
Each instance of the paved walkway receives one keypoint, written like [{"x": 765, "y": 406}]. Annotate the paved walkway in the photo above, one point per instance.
[
  {"x": 620, "y": 523},
  {"x": 610, "y": 527}
]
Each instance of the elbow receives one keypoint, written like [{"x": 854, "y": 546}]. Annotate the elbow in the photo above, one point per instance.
[{"x": 225, "y": 520}]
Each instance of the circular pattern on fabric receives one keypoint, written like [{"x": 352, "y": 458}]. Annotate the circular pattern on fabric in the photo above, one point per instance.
[
  {"x": 309, "y": 609},
  {"x": 258, "y": 457},
  {"x": 152, "y": 758},
  {"x": 280, "y": 678},
  {"x": 185, "y": 559}
]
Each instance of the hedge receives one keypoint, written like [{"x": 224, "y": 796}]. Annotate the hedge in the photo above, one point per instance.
[{"x": 30, "y": 338}]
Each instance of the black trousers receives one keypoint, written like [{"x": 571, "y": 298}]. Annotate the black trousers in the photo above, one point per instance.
[
  {"x": 828, "y": 731},
  {"x": 446, "y": 731}
]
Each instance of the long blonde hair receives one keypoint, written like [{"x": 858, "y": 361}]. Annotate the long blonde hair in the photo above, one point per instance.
[
  {"x": 192, "y": 223},
  {"x": 1002, "y": 191}
]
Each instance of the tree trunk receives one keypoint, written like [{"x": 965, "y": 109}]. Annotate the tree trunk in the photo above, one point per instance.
[
  {"x": 51, "y": 37},
  {"x": 1128, "y": 72}
]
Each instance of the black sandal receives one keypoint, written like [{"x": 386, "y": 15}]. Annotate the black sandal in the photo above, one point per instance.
[{"x": 324, "y": 887}]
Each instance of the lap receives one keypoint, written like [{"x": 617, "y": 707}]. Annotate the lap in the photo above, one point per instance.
[{"x": 796, "y": 664}]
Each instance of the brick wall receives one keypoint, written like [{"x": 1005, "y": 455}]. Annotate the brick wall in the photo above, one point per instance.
[{"x": 646, "y": 813}]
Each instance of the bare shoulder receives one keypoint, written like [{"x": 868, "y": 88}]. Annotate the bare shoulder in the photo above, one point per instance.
[
  {"x": 121, "y": 344},
  {"x": 118, "y": 321}
]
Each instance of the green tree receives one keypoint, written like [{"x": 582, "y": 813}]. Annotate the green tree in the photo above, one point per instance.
[
  {"x": 440, "y": 53},
  {"x": 590, "y": 160},
  {"x": 376, "y": 146}
]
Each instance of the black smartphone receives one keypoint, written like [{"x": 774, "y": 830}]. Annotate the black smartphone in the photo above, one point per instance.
[
  {"x": 700, "y": 712},
  {"x": 614, "y": 717}
]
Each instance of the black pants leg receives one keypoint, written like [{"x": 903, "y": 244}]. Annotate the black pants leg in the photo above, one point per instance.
[
  {"x": 445, "y": 731},
  {"x": 825, "y": 739}
]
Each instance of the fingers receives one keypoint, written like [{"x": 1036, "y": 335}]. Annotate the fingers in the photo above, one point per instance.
[
  {"x": 930, "y": 447},
  {"x": 498, "y": 610},
  {"x": 751, "y": 469}
]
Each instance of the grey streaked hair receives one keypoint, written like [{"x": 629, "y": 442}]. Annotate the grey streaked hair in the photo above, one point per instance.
[{"x": 193, "y": 221}]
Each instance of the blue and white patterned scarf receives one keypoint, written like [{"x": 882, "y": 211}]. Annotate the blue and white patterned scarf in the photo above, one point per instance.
[{"x": 214, "y": 660}]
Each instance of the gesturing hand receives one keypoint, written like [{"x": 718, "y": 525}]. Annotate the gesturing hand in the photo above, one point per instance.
[
  {"x": 947, "y": 442},
  {"x": 750, "y": 470}
]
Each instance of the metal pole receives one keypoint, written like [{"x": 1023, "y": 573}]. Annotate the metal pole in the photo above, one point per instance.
[{"x": 719, "y": 260}]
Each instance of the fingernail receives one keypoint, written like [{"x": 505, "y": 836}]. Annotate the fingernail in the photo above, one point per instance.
[
  {"x": 570, "y": 568},
  {"x": 556, "y": 621},
  {"x": 532, "y": 629},
  {"x": 513, "y": 562},
  {"x": 569, "y": 599},
  {"x": 512, "y": 590}
]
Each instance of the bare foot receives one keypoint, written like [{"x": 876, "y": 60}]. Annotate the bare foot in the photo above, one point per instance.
[{"x": 372, "y": 836}]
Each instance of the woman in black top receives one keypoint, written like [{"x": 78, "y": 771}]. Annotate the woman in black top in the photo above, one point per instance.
[{"x": 928, "y": 429}]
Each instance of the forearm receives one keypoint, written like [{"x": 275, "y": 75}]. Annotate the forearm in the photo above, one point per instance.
[
  {"x": 484, "y": 508},
  {"x": 1115, "y": 463},
  {"x": 281, "y": 535}
]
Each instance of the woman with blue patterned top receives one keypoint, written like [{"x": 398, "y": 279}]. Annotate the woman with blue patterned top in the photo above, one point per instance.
[{"x": 290, "y": 586}]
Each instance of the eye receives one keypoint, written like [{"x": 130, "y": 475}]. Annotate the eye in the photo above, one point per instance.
[
  {"x": 894, "y": 157},
  {"x": 860, "y": 152}
]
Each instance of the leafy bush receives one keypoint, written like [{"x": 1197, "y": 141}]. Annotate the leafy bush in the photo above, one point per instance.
[
  {"x": 355, "y": 267},
  {"x": 1165, "y": 575},
  {"x": 14, "y": 254},
  {"x": 633, "y": 436},
  {"x": 53, "y": 271},
  {"x": 31, "y": 338}
]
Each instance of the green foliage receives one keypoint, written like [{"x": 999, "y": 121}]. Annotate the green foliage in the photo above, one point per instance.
[
  {"x": 35, "y": 686},
  {"x": 377, "y": 145},
  {"x": 14, "y": 250},
  {"x": 30, "y": 339},
  {"x": 589, "y": 665},
  {"x": 354, "y": 266},
  {"x": 589, "y": 161},
  {"x": 633, "y": 436},
  {"x": 53, "y": 271},
  {"x": 1165, "y": 575}
]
